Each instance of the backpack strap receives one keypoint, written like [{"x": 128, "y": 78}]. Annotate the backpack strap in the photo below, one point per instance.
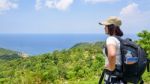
[{"x": 121, "y": 47}]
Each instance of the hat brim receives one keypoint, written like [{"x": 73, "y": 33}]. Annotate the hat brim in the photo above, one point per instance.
[{"x": 104, "y": 23}]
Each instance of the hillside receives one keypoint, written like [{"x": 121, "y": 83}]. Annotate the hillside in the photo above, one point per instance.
[
  {"x": 66, "y": 65},
  {"x": 6, "y": 54},
  {"x": 87, "y": 45}
]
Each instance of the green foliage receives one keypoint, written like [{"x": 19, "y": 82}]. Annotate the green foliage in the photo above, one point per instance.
[
  {"x": 144, "y": 41},
  {"x": 81, "y": 62}
]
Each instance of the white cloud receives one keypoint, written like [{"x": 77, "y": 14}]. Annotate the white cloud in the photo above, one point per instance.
[
  {"x": 57, "y": 4},
  {"x": 131, "y": 9},
  {"x": 50, "y": 3},
  {"x": 101, "y": 1},
  {"x": 134, "y": 19},
  {"x": 38, "y": 4},
  {"x": 63, "y": 4},
  {"x": 6, "y": 5}
]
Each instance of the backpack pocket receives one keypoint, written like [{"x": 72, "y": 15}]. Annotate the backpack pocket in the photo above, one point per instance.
[{"x": 130, "y": 73}]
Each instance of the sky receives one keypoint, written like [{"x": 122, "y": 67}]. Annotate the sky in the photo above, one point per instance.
[{"x": 71, "y": 16}]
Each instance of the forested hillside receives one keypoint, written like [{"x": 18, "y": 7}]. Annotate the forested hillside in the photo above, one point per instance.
[
  {"x": 6, "y": 54},
  {"x": 81, "y": 64}
]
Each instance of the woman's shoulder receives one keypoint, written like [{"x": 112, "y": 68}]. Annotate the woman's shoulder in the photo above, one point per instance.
[{"x": 112, "y": 39}]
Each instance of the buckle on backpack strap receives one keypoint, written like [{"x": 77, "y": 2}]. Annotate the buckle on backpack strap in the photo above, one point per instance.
[{"x": 111, "y": 78}]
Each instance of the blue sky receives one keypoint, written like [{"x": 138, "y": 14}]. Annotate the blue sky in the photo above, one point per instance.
[{"x": 71, "y": 16}]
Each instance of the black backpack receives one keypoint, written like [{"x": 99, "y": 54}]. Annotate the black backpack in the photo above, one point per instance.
[{"x": 131, "y": 72}]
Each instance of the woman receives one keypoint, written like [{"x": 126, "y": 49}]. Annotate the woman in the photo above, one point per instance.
[{"x": 113, "y": 57}]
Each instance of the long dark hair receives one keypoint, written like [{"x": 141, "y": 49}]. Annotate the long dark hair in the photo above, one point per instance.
[{"x": 114, "y": 30}]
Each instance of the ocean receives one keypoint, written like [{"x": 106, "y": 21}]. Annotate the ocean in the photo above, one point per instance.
[{"x": 34, "y": 44}]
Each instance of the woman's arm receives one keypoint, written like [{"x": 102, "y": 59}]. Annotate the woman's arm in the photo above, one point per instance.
[{"x": 111, "y": 48}]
